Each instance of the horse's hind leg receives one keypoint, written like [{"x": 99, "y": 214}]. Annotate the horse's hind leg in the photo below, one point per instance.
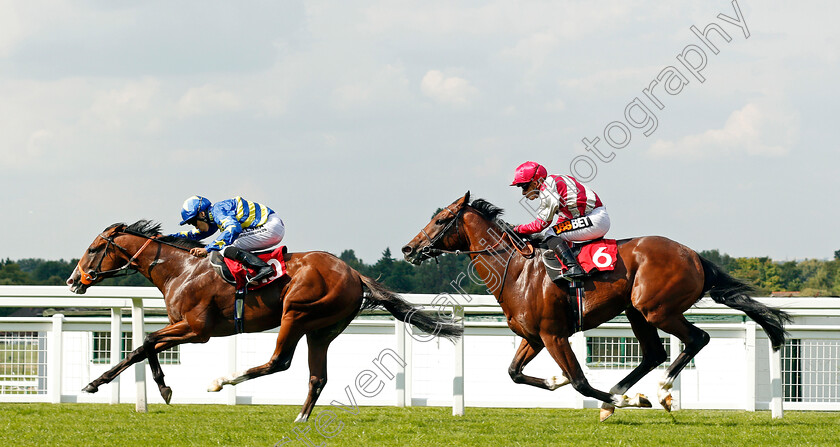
[
  {"x": 287, "y": 339},
  {"x": 653, "y": 355},
  {"x": 694, "y": 339},
  {"x": 524, "y": 354},
  {"x": 317, "y": 344}
]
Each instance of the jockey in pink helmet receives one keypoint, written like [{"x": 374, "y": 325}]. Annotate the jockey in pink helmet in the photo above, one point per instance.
[{"x": 580, "y": 214}]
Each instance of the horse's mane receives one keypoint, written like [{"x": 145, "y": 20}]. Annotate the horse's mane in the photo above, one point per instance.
[
  {"x": 486, "y": 209},
  {"x": 151, "y": 229}
]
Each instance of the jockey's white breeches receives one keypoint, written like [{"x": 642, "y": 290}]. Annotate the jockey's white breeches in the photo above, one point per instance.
[{"x": 266, "y": 236}]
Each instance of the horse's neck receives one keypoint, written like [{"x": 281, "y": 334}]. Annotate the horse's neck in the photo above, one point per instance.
[
  {"x": 503, "y": 261},
  {"x": 163, "y": 263},
  {"x": 498, "y": 264}
]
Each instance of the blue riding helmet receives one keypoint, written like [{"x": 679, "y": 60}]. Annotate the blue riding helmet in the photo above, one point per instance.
[{"x": 192, "y": 207}]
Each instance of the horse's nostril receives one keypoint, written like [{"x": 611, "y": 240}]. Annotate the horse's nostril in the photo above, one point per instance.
[{"x": 407, "y": 250}]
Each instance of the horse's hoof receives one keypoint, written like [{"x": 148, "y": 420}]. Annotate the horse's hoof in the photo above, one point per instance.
[
  {"x": 301, "y": 418},
  {"x": 215, "y": 386},
  {"x": 90, "y": 388},
  {"x": 666, "y": 402},
  {"x": 166, "y": 394},
  {"x": 607, "y": 412},
  {"x": 643, "y": 401}
]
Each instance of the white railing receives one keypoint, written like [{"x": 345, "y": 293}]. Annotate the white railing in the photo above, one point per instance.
[{"x": 376, "y": 362}]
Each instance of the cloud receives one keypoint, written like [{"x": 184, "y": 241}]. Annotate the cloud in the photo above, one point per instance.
[
  {"x": 754, "y": 130},
  {"x": 371, "y": 87},
  {"x": 534, "y": 49},
  {"x": 208, "y": 99},
  {"x": 452, "y": 90}
]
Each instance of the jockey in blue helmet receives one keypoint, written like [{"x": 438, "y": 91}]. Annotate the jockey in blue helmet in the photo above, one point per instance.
[{"x": 245, "y": 226}]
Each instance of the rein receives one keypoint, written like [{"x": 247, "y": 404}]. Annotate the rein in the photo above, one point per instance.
[
  {"x": 88, "y": 278},
  {"x": 527, "y": 251}
]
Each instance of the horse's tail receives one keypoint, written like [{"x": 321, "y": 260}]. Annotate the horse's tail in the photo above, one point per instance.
[
  {"x": 379, "y": 296},
  {"x": 732, "y": 292}
]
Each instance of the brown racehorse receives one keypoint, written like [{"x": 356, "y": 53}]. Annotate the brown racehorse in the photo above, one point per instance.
[
  {"x": 318, "y": 299},
  {"x": 655, "y": 280}
]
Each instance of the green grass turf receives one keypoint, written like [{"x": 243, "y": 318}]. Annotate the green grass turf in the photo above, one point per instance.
[{"x": 252, "y": 425}]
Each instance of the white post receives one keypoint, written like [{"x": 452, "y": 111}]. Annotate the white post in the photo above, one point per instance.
[
  {"x": 54, "y": 368},
  {"x": 676, "y": 349},
  {"x": 578, "y": 343},
  {"x": 138, "y": 333},
  {"x": 230, "y": 396},
  {"x": 776, "y": 386},
  {"x": 116, "y": 350},
  {"x": 399, "y": 331},
  {"x": 749, "y": 382},
  {"x": 458, "y": 380}
]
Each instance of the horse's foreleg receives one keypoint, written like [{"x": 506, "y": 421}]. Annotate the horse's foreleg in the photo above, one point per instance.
[
  {"x": 524, "y": 354},
  {"x": 561, "y": 352},
  {"x": 158, "y": 341},
  {"x": 287, "y": 339},
  {"x": 137, "y": 355},
  {"x": 653, "y": 355}
]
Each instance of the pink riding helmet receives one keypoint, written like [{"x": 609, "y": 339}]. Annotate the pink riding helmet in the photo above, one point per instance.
[{"x": 528, "y": 171}]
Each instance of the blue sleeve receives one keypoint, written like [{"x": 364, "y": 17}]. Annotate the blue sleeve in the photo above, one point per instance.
[
  {"x": 225, "y": 218},
  {"x": 194, "y": 234}
]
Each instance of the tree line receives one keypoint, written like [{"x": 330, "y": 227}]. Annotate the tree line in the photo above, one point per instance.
[{"x": 810, "y": 277}]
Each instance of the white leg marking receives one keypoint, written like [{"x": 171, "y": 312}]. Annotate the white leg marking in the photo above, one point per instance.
[
  {"x": 232, "y": 379},
  {"x": 301, "y": 418},
  {"x": 619, "y": 401},
  {"x": 554, "y": 382},
  {"x": 639, "y": 400},
  {"x": 665, "y": 386}
]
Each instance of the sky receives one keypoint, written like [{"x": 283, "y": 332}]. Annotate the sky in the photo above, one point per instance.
[{"x": 356, "y": 120}]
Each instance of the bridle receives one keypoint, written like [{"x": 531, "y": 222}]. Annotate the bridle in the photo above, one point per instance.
[
  {"x": 88, "y": 278},
  {"x": 431, "y": 252}
]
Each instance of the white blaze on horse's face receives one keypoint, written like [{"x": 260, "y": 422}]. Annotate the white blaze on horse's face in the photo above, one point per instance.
[{"x": 75, "y": 283}]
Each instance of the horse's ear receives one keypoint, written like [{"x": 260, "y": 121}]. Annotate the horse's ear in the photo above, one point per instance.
[
  {"x": 116, "y": 228},
  {"x": 467, "y": 198}
]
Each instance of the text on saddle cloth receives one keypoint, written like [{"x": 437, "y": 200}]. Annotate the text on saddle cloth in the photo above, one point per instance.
[{"x": 241, "y": 273}]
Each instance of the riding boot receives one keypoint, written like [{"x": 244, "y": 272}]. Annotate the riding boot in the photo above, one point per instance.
[
  {"x": 562, "y": 249},
  {"x": 251, "y": 260}
]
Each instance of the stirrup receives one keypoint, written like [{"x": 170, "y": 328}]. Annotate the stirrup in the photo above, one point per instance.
[
  {"x": 575, "y": 271},
  {"x": 264, "y": 273}
]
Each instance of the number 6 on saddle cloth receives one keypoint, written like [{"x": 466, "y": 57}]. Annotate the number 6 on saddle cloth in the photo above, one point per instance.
[{"x": 237, "y": 274}]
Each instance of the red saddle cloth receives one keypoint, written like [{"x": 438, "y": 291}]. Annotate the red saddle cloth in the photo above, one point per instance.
[
  {"x": 600, "y": 255},
  {"x": 274, "y": 259}
]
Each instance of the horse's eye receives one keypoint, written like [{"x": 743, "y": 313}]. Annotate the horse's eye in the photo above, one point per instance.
[{"x": 93, "y": 250}]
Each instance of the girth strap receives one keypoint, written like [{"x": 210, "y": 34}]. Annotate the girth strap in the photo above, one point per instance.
[
  {"x": 576, "y": 296},
  {"x": 239, "y": 310}
]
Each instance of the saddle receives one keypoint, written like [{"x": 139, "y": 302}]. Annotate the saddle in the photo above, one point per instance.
[
  {"x": 598, "y": 254},
  {"x": 236, "y": 274},
  {"x": 595, "y": 255}
]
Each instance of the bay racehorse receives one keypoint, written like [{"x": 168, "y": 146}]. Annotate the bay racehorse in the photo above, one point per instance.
[
  {"x": 655, "y": 280},
  {"x": 318, "y": 299}
]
